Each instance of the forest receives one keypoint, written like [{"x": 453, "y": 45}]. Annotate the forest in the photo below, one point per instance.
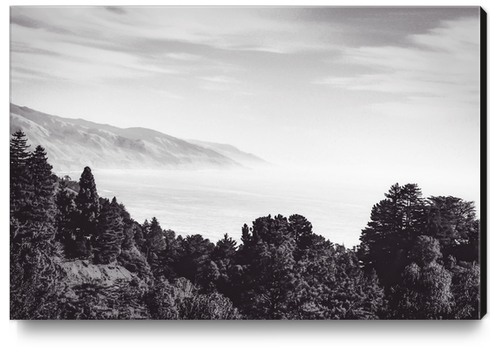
[{"x": 418, "y": 258}]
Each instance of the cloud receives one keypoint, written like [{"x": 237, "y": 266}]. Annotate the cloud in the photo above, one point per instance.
[
  {"x": 242, "y": 29},
  {"x": 143, "y": 41},
  {"x": 29, "y": 21},
  {"x": 93, "y": 44},
  {"x": 86, "y": 57},
  {"x": 184, "y": 56},
  {"x": 443, "y": 64},
  {"x": 24, "y": 21},
  {"x": 129, "y": 42},
  {"x": 116, "y": 9},
  {"x": 219, "y": 79}
]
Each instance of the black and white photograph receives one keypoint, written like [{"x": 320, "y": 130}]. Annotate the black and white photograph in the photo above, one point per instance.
[{"x": 247, "y": 163}]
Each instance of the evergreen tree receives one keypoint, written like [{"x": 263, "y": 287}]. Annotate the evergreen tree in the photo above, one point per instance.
[
  {"x": 67, "y": 217},
  {"x": 160, "y": 249},
  {"x": 143, "y": 238},
  {"x": 110, "y": 234},
  {"x": 333, "y": 285},
  {"x": 224, "y": 256},
  {"x": 34, "y": 273},
  {"x": 18, "y": 151},
  {"x": 43, "y": 205},
  {"x": 302, "y": 232},
  {"x": 453, "y": 222},
  {"x": 268, "y": 281},
  {"x": 154, "y": 241},
  {"x": 194, "y": 260},
  {"x": 395, "y": 223},
  {"x": 20, "y": 183},
  {"x": 87, "y": 202},
  {"x": 128, "y": 224},
  {"x": 225, "y": 249},
  {"x": 139, "y": 238}
]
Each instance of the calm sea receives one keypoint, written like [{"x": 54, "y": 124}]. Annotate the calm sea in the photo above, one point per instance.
[{"x": 212, "y": 203}]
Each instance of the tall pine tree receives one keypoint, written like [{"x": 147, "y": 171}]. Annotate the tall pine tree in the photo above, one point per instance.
[
  {"x": 395, "y": 223},
  {"x": 66, "y": 217},
  {"x": 33, "y": 271},
  {"x": 88, "y": 206},
  {"x": 43, "y": 186},
  {"x": 110, "y": 235},
  {"x": 20, "y": 190}
]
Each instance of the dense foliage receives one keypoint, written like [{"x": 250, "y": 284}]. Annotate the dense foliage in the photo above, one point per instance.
[
  {"x": 421, "y": 249},
  {"x": 418, "y": 259}
]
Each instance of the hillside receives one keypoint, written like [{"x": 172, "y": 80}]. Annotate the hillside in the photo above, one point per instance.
[
  {"x": 247, "y": 159},
  {"x": 75, "y": 143}
]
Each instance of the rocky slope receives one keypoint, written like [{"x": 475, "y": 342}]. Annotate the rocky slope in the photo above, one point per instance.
[
  {"x": 100, "y": 291},
  {"x": 82, "y": 271}
]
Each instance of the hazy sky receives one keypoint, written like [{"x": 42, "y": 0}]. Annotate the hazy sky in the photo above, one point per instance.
[{"x": 383, "y": 91}]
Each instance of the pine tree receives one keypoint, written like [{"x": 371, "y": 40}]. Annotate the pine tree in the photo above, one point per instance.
[
  {"x": 302, "y": 231},
  {"x": 225, "y": 250},
  {"x": 18, "y": 149},
  {"x": 88, "y": 207},
  {"x": 32, "y": 193},
  {"x": 139, "y": 238},
  {"x": 154, "y": 239},
  {"x": 66, "y": 218},
  {"x": 155, "y": 248},
  {"x": 395, "y": 223},
  {"x": 33, "y": 272},
  {"x": 20, "y": 189},
  {"x": 110, "y": 234},
  {"x": 43, "y": 180},
  {"x": 268, "y": 281},
  {"x": 453, "y": 222},
  {"x": 193, "y": 257},
  {"x": 128, "y": 224}
]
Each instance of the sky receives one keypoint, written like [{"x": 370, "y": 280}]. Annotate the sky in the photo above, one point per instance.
[{"x": 382, "y": 93}]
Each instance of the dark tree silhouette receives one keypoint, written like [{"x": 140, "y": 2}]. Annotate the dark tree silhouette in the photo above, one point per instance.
[
  {"x": 389, "y": 235},
  {"x": 67, "y": 218},
  {"x": 43, "y": 180},
  {"x": 33, "y": 272},
  {"x": 87, "y": 202},
  {"x": 268, "y": 279},
  {"x": 110, "y": 235},
  {"x": 20, "y": 190}
]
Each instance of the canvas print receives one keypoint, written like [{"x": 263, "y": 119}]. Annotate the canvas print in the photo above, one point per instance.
[{"x": 246, "y": 163}]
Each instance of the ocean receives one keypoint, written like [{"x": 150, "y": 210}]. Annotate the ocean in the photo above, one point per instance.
[{"x": 212, "y": 203}]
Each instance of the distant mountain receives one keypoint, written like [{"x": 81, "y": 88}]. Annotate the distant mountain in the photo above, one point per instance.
[
  {"x": 247, "y": 159},
  {"x": 72, "y": 144}
]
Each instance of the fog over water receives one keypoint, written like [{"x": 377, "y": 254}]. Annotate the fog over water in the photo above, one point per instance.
[{"x": 212, "y": 203}]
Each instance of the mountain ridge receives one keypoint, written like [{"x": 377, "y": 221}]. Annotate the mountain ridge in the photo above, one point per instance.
[
  {"x": 72, "y": 144},
  {"x": 247, "y": 159}
]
